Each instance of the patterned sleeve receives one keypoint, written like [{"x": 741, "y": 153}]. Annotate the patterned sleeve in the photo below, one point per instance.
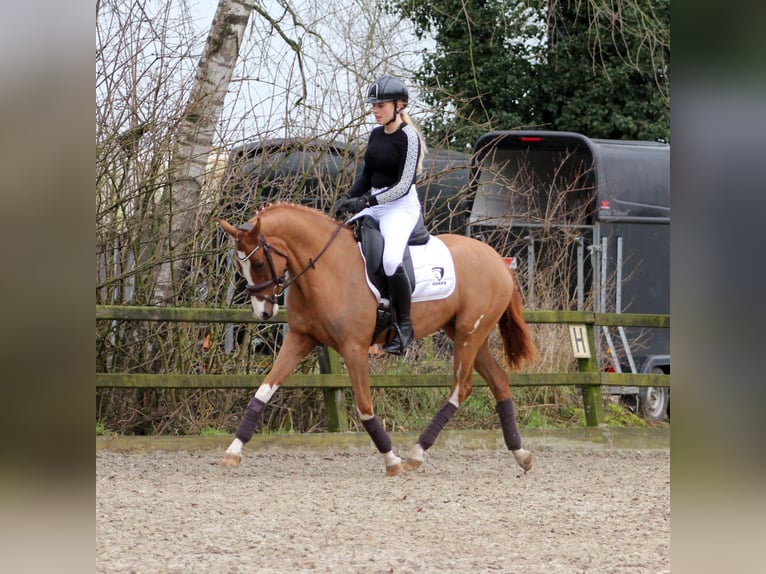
[{"x": 408, "y": 171}]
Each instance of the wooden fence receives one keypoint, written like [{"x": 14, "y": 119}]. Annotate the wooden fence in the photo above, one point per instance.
[{"x": 332, "y": 380}]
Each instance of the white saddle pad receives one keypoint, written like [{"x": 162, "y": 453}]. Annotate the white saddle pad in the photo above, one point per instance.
[{"x": 434, "y": 271}]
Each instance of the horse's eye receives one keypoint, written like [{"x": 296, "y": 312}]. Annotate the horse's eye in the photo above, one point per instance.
[{"x": 259, "y": 265}]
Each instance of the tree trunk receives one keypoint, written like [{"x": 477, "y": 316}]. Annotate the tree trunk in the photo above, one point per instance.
[{"x": 193, "y": 143}]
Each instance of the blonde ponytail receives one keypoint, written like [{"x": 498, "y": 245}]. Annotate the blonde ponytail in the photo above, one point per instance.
[{"x": 423, "y": 148}]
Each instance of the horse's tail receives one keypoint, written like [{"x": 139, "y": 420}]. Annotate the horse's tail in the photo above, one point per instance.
[{"x": 517, "y": 340}]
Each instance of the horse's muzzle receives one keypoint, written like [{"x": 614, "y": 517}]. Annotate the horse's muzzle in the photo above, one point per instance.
[{"x": 264, "y": 309}]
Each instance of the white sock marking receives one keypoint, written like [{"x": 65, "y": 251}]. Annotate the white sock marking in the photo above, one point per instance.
[
  {"x": 364, "y": 417},
  {"x": 454, "y": 397},
  {"x": 391, "y": 459},
  {"x": 416, "y": 453},
  {"x": 265, "y": 392},
  {"x": 235, "y": 448}
]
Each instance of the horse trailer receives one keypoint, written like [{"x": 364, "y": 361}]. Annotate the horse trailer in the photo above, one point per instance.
[{"x": 593, "y": 217}]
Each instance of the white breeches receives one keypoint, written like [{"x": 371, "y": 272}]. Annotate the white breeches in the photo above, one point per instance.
[{"x": 397, "y": 219}]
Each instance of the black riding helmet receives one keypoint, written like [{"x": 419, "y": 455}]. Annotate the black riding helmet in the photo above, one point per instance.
[{"x": 386, "y": 89}]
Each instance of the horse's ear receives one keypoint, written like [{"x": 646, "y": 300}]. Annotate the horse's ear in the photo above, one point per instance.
[{"x": 228, "y": 227}]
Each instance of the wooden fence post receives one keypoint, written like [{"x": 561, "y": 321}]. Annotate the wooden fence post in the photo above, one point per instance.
[
  {"x": 334, "y": 400},
  {"x": 591, "y": 394}
]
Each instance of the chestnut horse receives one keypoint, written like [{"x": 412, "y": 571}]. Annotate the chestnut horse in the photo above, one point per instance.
[{"x": 330, "y": 303}]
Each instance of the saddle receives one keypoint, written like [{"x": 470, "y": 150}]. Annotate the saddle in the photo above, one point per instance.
[{"x": 367, "y": 234}]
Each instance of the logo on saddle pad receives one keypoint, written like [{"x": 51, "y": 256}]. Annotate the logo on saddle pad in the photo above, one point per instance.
[
  {"x": 438, "y": 276},
  {"x": 434, "y": 271}
]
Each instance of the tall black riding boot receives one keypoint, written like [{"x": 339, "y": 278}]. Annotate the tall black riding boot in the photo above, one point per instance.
[{"x": 401, "y": 296}]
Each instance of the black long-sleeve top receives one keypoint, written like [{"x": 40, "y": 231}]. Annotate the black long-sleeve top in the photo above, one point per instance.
[{"x": 390, "y": 165}]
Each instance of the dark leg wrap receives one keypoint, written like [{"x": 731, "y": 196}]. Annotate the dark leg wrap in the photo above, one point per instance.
[
  {"x": 378, "y": 434},
  {"x": 250, "y": 420},
  {"x": 508, "y": 423},
  {"x": 428, "y": 436}
]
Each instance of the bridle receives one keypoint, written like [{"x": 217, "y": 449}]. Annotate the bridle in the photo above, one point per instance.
[{"x": 279, "y": 282}]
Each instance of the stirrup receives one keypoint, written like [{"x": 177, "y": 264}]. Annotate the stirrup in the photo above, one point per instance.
[{"x": 396, "y": 347}]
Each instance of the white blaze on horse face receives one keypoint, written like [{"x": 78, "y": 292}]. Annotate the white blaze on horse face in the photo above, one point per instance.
[
  {"x": 244, "y": 263},
  {"x": 259, "y": 306}
]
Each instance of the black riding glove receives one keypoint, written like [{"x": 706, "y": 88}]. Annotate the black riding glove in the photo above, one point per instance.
[
  {"x": 350, "y": 204},
  {"x": 339, "y": 205}
]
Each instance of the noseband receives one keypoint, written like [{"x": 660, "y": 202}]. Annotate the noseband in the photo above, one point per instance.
[{"x": 279, "y": 282}]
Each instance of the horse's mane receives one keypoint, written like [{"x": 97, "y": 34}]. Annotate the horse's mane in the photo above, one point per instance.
[{"x": 279, "y": 205}]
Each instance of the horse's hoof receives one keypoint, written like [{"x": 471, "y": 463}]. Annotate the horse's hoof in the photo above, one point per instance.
[
  {"x": 231, "y": 459},
  {"x": 524, "y": 458},
  {"x": 394, "y": 469},
  {"x": 412, "y": 464}
]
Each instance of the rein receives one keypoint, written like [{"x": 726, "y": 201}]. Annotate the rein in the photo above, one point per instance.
[{"x": 279, "y": 282}]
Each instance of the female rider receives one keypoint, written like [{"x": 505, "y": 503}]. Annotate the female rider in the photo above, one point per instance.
[{"x": 386, "y": 191}]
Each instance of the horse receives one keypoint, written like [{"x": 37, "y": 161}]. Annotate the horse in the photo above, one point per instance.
[{"x": 330, "y": 303}]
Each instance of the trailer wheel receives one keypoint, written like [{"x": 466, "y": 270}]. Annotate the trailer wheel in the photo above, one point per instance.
[{"x": 654, "y": 402}]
